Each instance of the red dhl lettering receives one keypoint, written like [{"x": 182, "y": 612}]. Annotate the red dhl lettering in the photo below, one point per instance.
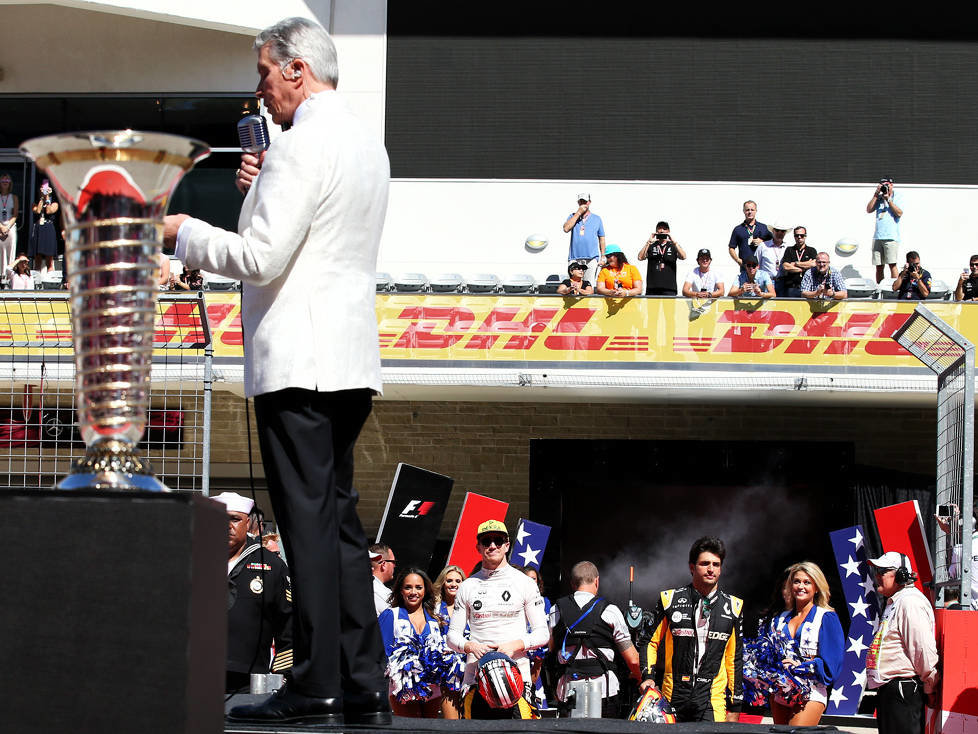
[
  {"x": 821, "y": 328},
  {"x": 440, "y": 327},
  {"x": 749, "y": 332}
]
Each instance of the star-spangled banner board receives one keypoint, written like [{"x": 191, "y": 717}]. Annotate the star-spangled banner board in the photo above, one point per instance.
[
  {"x": 415, "y": 507},
  {"x": 901, "y": 529},
  {"x": 476, "y": 509},
  {"x": 529, "y": 543},
  {"x": 859, "y": 590}
]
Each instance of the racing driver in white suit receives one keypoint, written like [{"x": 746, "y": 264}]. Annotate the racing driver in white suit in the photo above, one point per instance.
[{"x": 499, "y": 604}]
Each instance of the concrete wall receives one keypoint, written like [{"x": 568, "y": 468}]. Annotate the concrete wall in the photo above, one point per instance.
[
  {"x": 53, "y": 49},
  {"x": 485, "y": 447}
]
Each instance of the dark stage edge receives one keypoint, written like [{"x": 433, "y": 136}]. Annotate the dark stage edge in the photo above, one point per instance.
[{"x": 585, "y": 726}]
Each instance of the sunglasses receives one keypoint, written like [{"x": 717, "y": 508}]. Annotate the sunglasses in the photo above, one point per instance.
[{"x": 493, "y": 540}]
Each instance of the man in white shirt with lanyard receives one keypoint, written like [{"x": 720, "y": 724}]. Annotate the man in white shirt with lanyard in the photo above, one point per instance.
[{"x": 901, "y": 664}]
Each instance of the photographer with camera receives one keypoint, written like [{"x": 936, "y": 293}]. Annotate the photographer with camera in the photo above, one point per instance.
[
  {"x": 913, "y": 282},
  {"x": 662, "y": 252},
  {"x": 886, "y": 237},
  {"x": 967, "y": 289}
]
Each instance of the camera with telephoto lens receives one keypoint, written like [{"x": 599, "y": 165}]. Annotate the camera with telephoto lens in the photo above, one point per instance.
[{"x": 885, "y": 186}]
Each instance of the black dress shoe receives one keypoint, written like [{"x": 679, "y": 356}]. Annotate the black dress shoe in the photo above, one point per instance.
[
  {"x": 367, "y": 709},
  {"x": 287, "y": 707}
]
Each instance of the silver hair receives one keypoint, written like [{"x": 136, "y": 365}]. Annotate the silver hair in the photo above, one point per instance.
[{"x": 300, "y": 38}]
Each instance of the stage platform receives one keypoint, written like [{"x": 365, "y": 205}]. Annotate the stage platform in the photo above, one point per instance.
[{"x": 853, "y": 724}]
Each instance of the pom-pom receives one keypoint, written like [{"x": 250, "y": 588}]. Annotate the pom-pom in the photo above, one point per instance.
[{"x": 772, "y": 668}]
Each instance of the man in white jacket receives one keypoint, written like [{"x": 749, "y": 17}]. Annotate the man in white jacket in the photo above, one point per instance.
[{"x": 312, "y": 215}]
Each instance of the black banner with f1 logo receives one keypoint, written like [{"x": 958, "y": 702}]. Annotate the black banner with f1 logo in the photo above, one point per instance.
[{"x": 415, "y": 508}]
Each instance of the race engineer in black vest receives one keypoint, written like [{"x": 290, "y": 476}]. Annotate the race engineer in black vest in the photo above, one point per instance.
[
  {"x": 699, "y": 630},
  {"x": 586, "y": 631}
]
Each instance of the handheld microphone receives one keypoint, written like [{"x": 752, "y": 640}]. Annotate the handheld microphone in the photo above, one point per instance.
[{"x": 253, "y": 134}]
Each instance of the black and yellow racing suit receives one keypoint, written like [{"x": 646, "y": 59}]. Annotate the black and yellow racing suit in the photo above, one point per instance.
[{"x": 704, "y": 689}]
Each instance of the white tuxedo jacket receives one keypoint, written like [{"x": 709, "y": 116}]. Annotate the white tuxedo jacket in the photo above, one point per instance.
[{"x": 306, "y": 253}]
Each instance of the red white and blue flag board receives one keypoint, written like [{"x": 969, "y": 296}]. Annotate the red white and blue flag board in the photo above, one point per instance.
[
  {"x": 859, "y": 589},
  {"x": 529, "y": 544}
]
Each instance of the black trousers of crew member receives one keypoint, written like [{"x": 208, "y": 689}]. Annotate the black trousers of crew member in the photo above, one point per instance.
[
  {"x": 900, "y": 706},
  {"x": 307, "y": 440}
]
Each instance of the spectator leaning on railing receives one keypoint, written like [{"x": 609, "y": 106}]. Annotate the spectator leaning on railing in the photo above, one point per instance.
[
  {"x": 701, "y": 281},
  {"x": 619, "y": 278},
  {"x": 797, "y": 261},
  {"x": 754, "y": 283},
  {"x": 822, "y": 281},
  {"x": 967, "y": 289}
]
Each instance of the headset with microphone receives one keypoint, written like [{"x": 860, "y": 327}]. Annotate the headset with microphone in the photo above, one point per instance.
[{"x": 904, "y": 574}]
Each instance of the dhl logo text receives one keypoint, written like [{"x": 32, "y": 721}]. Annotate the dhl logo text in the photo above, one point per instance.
[{"x": 576, "y": 329}]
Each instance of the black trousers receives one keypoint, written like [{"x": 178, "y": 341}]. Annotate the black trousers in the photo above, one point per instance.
[
  {"x": 900, "y": 706},
  {"x": 307, "y": 440}
]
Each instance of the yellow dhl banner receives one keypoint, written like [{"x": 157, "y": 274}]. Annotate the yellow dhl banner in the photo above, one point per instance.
[{"x": 531, "y": 329}]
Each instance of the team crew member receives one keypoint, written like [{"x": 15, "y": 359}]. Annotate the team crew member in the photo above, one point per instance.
[
  {"x": 259, "y": 601},
  {"x": 901, "y": 663},
  {"x": 699, "y": 630},
  {"x": 499, "y": 604},
  {"x": 587, "y": 629}
]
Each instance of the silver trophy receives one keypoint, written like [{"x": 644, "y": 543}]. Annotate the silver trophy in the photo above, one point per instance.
[{"x": 115, "y": 188}]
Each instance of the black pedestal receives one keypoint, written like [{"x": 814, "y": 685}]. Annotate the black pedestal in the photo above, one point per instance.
[{"x": 115, "y": 612}]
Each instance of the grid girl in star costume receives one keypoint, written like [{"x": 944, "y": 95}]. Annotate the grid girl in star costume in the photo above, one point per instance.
[
  {"x": 815, "y": 633},
  {"x": 446, "y": 587},
  {"x": 417, "y": 663}
]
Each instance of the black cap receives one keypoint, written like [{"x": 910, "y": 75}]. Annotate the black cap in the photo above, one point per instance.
[
  {"x": 749, "y": 260},
  {"x": 704, "y": 253}
]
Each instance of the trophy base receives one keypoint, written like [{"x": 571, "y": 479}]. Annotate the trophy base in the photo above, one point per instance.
[{"x": 112, "y": 465}]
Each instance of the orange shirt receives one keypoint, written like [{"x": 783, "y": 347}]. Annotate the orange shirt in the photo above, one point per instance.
[{"x": 626, "y": 277}]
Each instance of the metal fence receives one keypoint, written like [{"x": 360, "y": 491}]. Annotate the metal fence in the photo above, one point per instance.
[
  {"x": 39, "y": 437},
  {"x": 952, "y": 358}
]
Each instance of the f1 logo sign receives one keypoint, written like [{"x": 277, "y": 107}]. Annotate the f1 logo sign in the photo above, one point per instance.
[{"x": 417, "y": 508}]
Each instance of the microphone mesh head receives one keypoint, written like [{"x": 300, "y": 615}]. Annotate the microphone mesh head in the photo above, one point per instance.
[{"x": 253, "y": 134}]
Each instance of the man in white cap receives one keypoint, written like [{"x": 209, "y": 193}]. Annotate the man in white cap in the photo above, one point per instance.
[
  {"x": 587, "y": 240},
  {"x": 382, "y": 565},
  {"x": 503, "y": 610},
  {"x": 901, "y": 664},
  {"x": 259, "y": 601}
]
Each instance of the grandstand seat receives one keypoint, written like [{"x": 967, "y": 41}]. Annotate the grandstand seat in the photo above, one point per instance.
[
  {"x": 447, "y": 283},
  {"x": 519, "y": 283},
  {"x": 939, "y": 290},
  {"x": 550, "y": 285},
  {"x": 384, "y": 282},
  {"x": 411, "y": 283},
  {"x": 886, "y": 290},
  {"x": 483, "y": 283},
  {"x": 220, "y": 283},
  {"x": 861, "y": 287}
]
